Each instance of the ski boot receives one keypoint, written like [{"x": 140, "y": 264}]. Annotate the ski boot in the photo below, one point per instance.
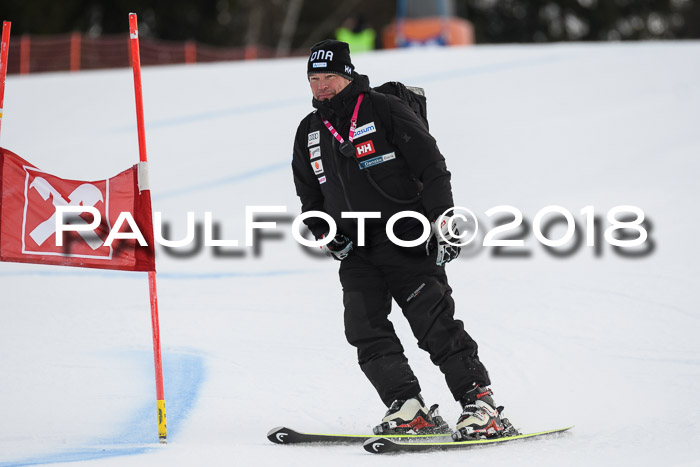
[
  {"x": 410, "y": 416},
  {"x": 481, "y": 418}
]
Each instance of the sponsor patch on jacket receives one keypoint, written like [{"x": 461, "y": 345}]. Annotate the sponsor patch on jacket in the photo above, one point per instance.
[
  {"x": 317, "y": 166},
  {"x": 377, "y": 160},
  {"x": 315, "y": 152},
  {"x": 321, "y": 180},
  {"x": 364, "y": 149},
  {"x": 365, "y": 130},
  {"x": 314, "y": 138}
]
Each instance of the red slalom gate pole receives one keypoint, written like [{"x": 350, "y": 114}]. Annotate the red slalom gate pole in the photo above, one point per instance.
[
  {"x": 4, "y": 48},
  {"x": 160, "y": 393}
]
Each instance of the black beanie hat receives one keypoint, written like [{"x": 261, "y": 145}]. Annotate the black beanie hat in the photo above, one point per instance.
[{"x": 331, "y": 56}]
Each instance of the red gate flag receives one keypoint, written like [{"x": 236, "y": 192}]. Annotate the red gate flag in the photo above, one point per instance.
[{"x": 28, "y": 201}]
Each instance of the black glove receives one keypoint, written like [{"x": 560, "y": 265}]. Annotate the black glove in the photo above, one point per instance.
[
  {"x": 439, "y": 236},
  {"x": 339, "y": 248}
]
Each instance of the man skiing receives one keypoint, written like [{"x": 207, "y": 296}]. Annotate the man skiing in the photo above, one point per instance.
[{"x": 364, "y": 151}]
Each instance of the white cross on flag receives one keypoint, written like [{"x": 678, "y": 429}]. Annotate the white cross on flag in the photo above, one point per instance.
[{"x": 28, "y": 201}]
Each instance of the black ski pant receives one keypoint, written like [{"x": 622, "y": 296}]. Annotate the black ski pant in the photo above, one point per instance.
[{"x": 371, "y": 277}]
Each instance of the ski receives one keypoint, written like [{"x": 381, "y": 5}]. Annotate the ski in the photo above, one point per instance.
[
  {"x": 284, "y": 435},
  {"x": 380, "y": 445}
]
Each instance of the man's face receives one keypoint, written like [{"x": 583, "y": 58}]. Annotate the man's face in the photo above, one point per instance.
[{"x": 326, "y": 85}]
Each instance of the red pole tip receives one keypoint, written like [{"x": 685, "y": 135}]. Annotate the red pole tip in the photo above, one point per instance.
[{"x": 133, "y": 27}]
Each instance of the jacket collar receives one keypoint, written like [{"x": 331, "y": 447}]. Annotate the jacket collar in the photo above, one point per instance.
[{"x": 343, "y": 104}]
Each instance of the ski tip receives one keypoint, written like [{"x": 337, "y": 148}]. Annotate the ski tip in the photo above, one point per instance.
[
  {"x": 278, "y": 434},
  {"x": 274, "y": 430},
  {"x": 378, "y": 445}
]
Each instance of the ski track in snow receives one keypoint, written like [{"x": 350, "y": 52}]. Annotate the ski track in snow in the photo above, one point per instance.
[{"x": 186, "y": 374}]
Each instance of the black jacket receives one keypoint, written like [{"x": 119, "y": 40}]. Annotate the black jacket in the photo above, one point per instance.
[{"x": 392, "y": 144}]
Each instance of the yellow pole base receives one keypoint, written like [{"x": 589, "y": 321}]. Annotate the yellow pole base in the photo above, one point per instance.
[{"x": 162, "y": 426}]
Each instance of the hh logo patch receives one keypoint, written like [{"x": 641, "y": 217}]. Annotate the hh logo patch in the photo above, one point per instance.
[
  {"x": 365, "y": 149},
  {"x": 314, "y": 138},
  {"x": 377, "y": 160},
  {"x": 317, "y": 166},
  {"x": 365, "y": 130},
  {"x": 321, "y": 180},
  {"x": 315, "y": 152}
]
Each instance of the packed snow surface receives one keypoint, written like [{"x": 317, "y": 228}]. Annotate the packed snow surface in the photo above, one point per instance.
[{"x": 253, "y": 338}]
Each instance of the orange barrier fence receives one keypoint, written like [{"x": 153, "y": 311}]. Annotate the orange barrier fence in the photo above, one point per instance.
[{"x": 36, "y": 54}]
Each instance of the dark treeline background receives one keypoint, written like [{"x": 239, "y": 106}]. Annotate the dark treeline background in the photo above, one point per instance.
[{"x": 296, "y": 24}]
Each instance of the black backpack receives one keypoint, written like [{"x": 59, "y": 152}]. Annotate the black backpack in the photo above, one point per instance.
[{"x": 414, "y": 97}]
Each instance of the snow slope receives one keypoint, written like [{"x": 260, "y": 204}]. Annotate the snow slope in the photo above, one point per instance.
[{"x": 251, "y": 341}]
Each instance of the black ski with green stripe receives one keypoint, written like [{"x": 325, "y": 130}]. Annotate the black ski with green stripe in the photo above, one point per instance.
[
  {"x": 284, "y": 435},
  {"x": 380, "y": 445}
]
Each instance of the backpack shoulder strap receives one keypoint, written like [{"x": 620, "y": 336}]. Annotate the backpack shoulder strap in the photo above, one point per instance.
[{"x": 381, "y": 102}]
